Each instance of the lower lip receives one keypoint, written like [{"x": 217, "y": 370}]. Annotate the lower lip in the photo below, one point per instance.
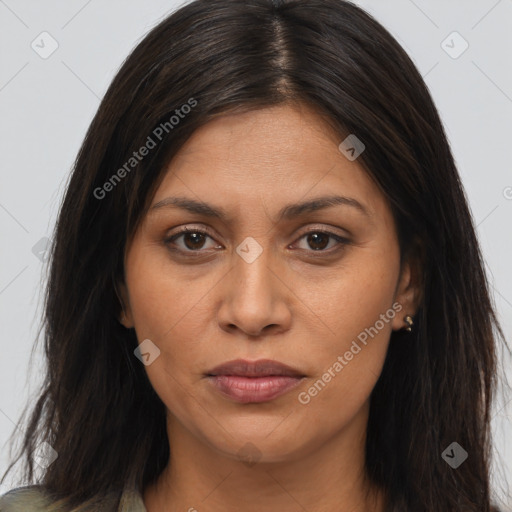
[{"x": 253, "y": 389}]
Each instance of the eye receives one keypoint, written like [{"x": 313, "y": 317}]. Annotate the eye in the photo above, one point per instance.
[
  {"x": 318, "y": 241},
  {"x": 193, "y": 240}
]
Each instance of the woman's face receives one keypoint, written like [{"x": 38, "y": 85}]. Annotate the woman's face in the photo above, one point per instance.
[{"x": 252, "y": 284}]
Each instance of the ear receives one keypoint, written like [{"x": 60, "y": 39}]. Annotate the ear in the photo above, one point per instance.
[
  {"x": 126, "y": 316},
  {"x": 409, "y": 291}
]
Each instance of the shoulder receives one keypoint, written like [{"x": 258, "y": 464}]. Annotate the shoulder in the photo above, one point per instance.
[
  {"x": 34, "y": 498},
  {"x": 26, "y": 499}
]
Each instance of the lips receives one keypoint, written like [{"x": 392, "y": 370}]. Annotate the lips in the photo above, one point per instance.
[
  {"x": 260, "y": 368},
  {"x": 253, "y": 381}
]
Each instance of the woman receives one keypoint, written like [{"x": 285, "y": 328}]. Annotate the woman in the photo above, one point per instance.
[{"x": 266, "y": 291}]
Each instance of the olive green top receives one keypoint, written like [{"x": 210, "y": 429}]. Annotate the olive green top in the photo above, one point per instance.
[{"x": 34, "y": 499}]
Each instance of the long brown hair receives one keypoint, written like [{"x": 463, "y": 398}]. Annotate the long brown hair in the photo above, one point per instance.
[{"x": 97, "y": 408}]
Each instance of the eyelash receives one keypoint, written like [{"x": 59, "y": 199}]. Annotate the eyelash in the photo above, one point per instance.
[{"x": 341, "y": 241}]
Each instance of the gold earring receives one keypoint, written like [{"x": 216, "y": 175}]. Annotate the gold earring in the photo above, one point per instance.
[{"x": 409, "y": 321}]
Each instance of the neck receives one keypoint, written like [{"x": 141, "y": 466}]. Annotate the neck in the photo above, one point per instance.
[{"x": 329, "y": 477}]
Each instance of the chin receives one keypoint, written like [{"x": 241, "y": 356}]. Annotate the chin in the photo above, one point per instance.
[{"x": 260, "y": 448}]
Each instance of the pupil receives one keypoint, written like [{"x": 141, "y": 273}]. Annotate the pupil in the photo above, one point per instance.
[
  {"x": 315, "y": 237},
  {"x": 195, "y": 242}
]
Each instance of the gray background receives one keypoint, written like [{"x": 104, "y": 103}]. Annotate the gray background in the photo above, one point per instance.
[{"x": 47, "y": 104}]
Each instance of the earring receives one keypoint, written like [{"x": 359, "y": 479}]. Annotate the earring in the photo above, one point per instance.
[{"x": 408, "y": 320}]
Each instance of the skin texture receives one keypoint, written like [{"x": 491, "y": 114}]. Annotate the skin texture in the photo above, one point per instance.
[{"x": 292, "y": 304}]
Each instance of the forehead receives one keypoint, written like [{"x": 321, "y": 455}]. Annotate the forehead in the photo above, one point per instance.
[
  {"x": 276, "y": 136},
  {"x": 275, "y": 156}
]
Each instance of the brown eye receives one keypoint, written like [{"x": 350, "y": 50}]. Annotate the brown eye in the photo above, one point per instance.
[
  {"x": 193, "y": 240},
  {"x": 318, "y": 241}
]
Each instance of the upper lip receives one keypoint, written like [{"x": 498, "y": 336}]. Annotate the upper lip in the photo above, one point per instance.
[{"x": 259, "y": 368}]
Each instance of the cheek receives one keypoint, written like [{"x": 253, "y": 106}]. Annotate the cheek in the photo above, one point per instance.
[
  {"x": 168, "y": 310},
  {"x": 165, "y": 299},
  {"x": 356, "y": 311},
  {"x": 171, "y": 307},
  {"x": 354, "y": 296}
]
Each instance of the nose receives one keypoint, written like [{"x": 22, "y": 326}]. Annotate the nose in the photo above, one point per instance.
[{"x": 255, "y": 298}]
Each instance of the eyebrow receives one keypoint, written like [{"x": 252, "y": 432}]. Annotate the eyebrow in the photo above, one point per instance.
[{"x": 289, "y": 211}]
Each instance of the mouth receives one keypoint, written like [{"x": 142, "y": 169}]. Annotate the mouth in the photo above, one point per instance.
[
  {"x": 260, "y": 368},
  {"x": 254, "y": 381}
]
